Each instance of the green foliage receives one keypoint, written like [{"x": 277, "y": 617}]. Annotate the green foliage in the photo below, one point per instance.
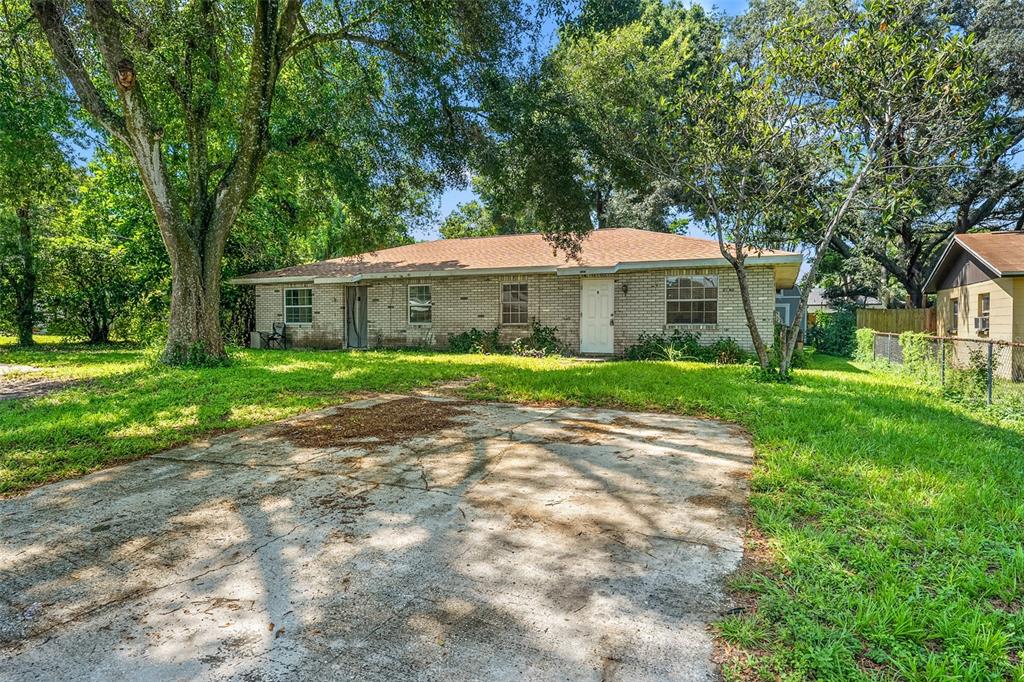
[
  {"x": 475, "y": 341},
  {"x": 481, "y": 218},
  {"x": 864, "y": 345},
  {"x": 542, "y": 341},
  {"x": 35, "y": 129},
  {"x": 834, "y": 333},
  {"x": 557, "y": 161},
  {"x": 685, "y": 346},
  {"x": 969, "y": 384},
  {"x": 105, "y": 270},
  {"x": 981, "y": 186},
  {"x": 918, "y": 353}
]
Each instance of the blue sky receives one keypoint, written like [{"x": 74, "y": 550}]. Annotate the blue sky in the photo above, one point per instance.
[{"x": 453, "y": 197}]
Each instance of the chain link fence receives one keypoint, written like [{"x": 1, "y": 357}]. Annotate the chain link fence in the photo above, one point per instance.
[{"x": 971, "y": 369}]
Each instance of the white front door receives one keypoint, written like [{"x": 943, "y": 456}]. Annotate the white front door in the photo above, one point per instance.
[{"x": 597, "y": 302}]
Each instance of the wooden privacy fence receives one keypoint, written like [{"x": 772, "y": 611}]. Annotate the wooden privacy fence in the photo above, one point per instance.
[{"x": 895, "y": 321}]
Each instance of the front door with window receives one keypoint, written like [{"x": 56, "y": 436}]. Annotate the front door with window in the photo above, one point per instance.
[
  {"x": 355, "y": 316},
  {"x": 597, "y": 303}
]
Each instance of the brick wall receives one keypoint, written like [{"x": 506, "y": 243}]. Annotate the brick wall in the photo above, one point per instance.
[
  {"x": 328, "y": 327},
  {"x": 640, "y": 306},
  {"x": 461, "y": 303}
]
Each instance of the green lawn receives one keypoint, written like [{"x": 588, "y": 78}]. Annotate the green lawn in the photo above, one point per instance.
[{"x": 893, "y": 520}]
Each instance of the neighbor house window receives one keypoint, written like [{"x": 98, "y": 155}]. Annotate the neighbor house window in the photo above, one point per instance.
[
  {"x": 420, "y": 304},
  {"x": 984, "y": 300},
  {"x": 954, "y": 316},
  {"x": 691, "y": 300},
  {"x": 298, "y": 306},
  {"x": 513, "y": 304}
]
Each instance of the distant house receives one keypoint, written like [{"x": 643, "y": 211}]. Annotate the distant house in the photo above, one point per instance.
[
  {"x": 625, "y": 282},
  {"x": 787, "y": 302},
  {"x": 979, "y": 286},
  {"x": 817, "y": 302}
]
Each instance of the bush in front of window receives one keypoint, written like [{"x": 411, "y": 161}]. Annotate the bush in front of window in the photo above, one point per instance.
[
  {"x": 541, "y": 342},
  {"x": 685, "y": 346},
  {"x": 475, "y": 341}
]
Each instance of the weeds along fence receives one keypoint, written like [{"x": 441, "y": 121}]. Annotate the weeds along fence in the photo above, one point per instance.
[{"x": 973, "y": 370}]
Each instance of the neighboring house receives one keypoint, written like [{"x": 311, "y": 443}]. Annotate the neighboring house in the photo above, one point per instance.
[
  {"x": 817, "y": 302},
  {"x": 625, "y": 282},
  {"x": 787, "y": 302},
  {"x": 979, "y": 282}
]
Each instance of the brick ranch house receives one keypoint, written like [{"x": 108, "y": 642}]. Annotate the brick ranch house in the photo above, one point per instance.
[{"x": 624, "y": 282}]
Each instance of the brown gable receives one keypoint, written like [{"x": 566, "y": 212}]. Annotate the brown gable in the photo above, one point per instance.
[
  {"x": 1002, "y": 251},
  {"x": 607, "y": 248},
  {"x": 971, "y": 258}
]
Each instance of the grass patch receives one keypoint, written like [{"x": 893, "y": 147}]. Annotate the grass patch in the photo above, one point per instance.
[{"x": 892, "y": 518}]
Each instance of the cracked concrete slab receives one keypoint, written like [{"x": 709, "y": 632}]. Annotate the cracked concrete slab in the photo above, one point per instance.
[{"x": 520, "y": 543}]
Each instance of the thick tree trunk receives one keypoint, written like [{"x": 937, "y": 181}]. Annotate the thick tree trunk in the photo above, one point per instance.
[
  {"x": 25, "y": 290},
  {"x": 194, "y": 335}
]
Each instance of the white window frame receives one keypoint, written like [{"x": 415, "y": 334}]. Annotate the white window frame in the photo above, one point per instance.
[
  {"x": 297, "y": 306},
  {"x": 954, "y": 315},
  {"x": 525, "y": 290},
  {"x": 703, "y": 300},
  {"x": 430, "y": 304}
]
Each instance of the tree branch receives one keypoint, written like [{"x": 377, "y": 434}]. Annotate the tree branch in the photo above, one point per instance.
[
  {"x": 313, "y": 38},
  {"x": 51, "y": 17}
]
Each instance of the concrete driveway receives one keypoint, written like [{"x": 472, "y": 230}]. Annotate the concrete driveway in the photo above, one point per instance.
[{"x": 459, "y": 542}]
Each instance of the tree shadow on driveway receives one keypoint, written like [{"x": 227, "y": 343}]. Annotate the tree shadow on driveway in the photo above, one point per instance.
[{"x": 503, "y": 546}]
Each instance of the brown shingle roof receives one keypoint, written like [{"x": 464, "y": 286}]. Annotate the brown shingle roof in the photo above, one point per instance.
[
  {"x": 601, "y": 249},
  {"x": 1003, "y": 251}
]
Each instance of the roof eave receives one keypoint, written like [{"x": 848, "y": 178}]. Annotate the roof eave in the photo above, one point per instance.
[
  {"x": 787, "y": 259},
  {"x": 294, "y": 279}
]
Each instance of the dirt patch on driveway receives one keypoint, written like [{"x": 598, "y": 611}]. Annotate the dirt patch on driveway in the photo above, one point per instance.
[
  {"x": 387, "y": 422},
  {"x": 488, "y": 543}
]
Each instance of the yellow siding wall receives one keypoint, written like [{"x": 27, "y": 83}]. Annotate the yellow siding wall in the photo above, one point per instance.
[
  {"x": 1005, "y": 323},
  {"x": 1018, "y": 309}
]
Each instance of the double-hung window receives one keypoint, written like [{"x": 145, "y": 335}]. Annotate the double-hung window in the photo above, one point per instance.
[
  {"x": 691, "y": 300},
  {"x": 421, "y": 305},
  {"x": 298, "y": 306},
  {"x": 954, "y": 316},
  {"x": 984, "y": 311},
  {"x": 514, "y": 309}
]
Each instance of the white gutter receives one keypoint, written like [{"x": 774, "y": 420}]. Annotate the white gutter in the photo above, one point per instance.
[
  {"x": 272, "y": 280},
  {"x": 664, "y": 264},
  {"x": 348, "y": 279},
  {"x": 795, "y": 259}
]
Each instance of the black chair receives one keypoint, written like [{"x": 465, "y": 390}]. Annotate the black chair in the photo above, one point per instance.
[{"x": 276, "y": 337}]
